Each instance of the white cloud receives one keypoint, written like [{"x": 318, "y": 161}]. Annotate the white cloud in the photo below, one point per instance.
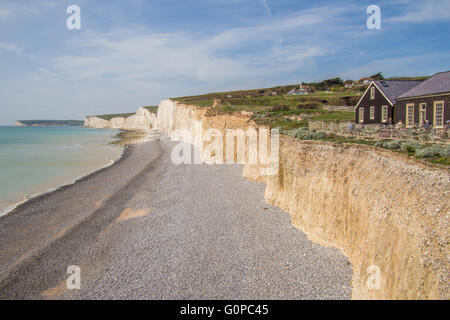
[
  {"x": 9, "y": 10},
  {"x": 267, "y": 7},
  {"x": 122, "y": 69},
  {"x": 11, "y": 47},
  {"x": 5, "y": 13},
  {"x": 424, "y": 11},
  {"x": 139, "y": 54}
]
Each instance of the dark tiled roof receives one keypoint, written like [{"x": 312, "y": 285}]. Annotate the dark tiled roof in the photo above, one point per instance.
[
  {"x": 439, "y": 83},
  {"x": 395, "y": 88}
]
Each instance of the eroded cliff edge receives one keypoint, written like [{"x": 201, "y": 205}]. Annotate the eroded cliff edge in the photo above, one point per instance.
[{"x": 379, "y": 208}]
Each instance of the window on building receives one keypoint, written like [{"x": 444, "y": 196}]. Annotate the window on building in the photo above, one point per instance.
[
  {"x": 372, "y": 93},
  {"x": 422, "y": 113},
  {"x": 439, "y": 114},
  {"x": 372, "y": 112},
  {"x": 384, "y": 113},
  {"x": 361, "y": 115},
  {"x": 410, "y": 114}
]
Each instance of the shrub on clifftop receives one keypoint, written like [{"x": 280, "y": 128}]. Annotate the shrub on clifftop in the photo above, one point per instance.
[{"x": 304, "y": 133}]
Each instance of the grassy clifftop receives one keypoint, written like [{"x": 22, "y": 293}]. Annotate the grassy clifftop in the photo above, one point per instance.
[
  {"x": 274, "y": 107},
  {"x": 152, "y": 109},
  {"x": 292, "y": 114},
  {"x": 266, "y": 97},
  {"x": 115, "y": 115}
]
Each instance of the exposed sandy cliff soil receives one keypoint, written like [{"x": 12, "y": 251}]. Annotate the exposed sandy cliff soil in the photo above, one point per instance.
[{"x": 379, "y": 208}]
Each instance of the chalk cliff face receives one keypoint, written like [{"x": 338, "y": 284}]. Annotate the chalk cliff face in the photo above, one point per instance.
[
  {"x": 173, "y": 117},
  {"x": 381, "y": 210},
  {"x": 96, "y": 122},
  {"x": 385, "y": 212},
  {"x": 142, "y": 119}
]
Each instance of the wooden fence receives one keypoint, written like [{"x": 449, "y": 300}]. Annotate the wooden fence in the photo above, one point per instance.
[{"x": 339, "y": 108}]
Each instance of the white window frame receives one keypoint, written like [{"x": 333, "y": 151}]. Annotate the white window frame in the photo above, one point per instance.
[
  {"x": 384, "y": 113},
  {"x": 372, "y": 113},
  {"x": 408, "y": 123},
  {"x": 434, "y": 114},
  {"x": 422, "y": 108},
  {"x": 361, "y": 114},
  {"x": 372, "y": 93}
]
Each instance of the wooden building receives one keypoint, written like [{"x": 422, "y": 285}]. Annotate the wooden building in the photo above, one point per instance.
[
  {"x": 430, "y": 100},
  {"x": 378, "y": 103}
]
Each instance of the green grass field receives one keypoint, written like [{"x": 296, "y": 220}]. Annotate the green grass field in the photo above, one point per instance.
[
  {"x": 152, "y": 109},
  {"x": 282, "y": 111},
  {"x": 291, "y": 114},
  {"x": 116, "y": 115}
]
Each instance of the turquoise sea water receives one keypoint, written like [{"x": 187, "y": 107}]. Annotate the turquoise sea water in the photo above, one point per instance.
[{"x": 34, "y": 160}]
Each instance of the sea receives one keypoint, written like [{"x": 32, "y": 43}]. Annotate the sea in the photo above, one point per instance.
[{"x": 36, "y": 160}]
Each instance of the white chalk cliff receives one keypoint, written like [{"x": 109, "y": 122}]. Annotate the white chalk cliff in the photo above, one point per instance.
[
  {"x": 379, "y": 208},
  {"x": 142, "y": 119}
]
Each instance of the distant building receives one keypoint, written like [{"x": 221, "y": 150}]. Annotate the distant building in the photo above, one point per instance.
[
  {"x": 378, "y": 103},
  {"x": 429, "y": 100},
  {"x": 365, "y": 80},
  {"x": 302, "y": 90},
  {"x": 349, "y": 84}
]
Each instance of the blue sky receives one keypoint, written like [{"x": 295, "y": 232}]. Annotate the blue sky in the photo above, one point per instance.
[{"x": 133, "y": 53}]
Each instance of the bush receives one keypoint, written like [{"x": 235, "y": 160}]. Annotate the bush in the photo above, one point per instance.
[
  {"x": 280, "y": 108},
  {"x": 310, "y": 106},
  {"x": 393, "y": 145},
  {"x": 319, "y": 135},
  {"x": 298, "y": 133},
  {"x": 260, "y": 115},
  {"x": 431, "y": 151},
  {"x": 446, "y": 152},
  {"x": 304, "y": 133},
  {"x": 420, "y": 151},
  {"x": 409, "y": 146},
  {"x": 308, "y": 136},
  {"x": 353, "y": 101}
]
